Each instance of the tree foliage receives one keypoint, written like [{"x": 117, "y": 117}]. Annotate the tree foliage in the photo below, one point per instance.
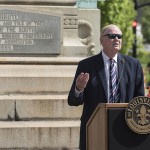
[
  {"x": 144, "y": 14},
  {"x": 121, "y": 13}
]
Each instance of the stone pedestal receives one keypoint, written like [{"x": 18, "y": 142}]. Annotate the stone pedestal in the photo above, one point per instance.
[{"x": 42, "y": 42}]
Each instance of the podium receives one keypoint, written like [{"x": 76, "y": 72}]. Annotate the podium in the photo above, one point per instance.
[{"x": 107, "y": 130}]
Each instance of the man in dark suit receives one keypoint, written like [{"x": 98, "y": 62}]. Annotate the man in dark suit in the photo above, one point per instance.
[{"x": 91, "y": 84}]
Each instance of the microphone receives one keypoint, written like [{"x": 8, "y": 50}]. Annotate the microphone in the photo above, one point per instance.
[
  {"x": 122, "y": 60},
  {"x": 117, "y": 86}
]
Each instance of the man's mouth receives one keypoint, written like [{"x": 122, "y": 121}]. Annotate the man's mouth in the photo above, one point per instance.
[{"x": 116, "y": 44}]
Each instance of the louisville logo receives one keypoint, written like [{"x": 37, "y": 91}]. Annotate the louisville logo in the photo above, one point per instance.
[{"x": 137, "y": 115}]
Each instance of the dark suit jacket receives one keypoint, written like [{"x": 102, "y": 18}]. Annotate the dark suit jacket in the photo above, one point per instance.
[{"x": 131, "y": 85}]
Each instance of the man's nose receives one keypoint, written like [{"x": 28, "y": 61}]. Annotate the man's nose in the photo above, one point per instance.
[{"x": 116, "y": 38}]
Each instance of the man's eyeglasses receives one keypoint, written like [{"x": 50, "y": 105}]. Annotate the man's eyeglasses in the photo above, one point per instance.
[{"x": 113, "y": 36}]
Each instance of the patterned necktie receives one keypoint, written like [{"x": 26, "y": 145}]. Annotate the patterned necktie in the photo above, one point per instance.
[{"x": 113, "y": 87}]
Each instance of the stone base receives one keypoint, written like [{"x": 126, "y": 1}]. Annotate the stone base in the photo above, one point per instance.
[
  {"x": 39, "y": 135},
  {"x": 37, "y": 107}
]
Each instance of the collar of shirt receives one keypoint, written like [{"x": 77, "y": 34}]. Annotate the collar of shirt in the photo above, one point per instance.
[
  {"x": 106, "y": 58},
  {"x": 107, "y": 63}
]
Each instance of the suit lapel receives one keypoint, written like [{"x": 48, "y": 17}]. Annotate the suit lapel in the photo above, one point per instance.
[
  {"x": 121, "y": 77},
  {"x": 101, "y": 74}
]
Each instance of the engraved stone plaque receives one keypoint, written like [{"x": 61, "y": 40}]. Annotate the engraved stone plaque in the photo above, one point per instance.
[{"x": 29, "y": 33}]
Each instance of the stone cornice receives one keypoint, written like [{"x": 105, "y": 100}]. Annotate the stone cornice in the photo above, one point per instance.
[{"x": 53, "y": 2}]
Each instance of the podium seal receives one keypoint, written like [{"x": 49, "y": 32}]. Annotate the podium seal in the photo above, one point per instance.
[{"x": 137, "y": 115}]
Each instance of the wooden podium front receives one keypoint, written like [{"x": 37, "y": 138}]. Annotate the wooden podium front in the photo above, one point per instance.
[{"x": 108, "y": 130}]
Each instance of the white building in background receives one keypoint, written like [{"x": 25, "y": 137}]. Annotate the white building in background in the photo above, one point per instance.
[
  {"x": 138, "y": 31},
  {"x": 140, "y": 36},
  {"x": 147, "y": 47}
]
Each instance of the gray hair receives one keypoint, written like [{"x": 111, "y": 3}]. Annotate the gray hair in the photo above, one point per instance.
[{"x": 107, "y": 27}]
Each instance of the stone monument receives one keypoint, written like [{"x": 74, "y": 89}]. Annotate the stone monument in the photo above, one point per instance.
[{"x": 41, "y": 43}]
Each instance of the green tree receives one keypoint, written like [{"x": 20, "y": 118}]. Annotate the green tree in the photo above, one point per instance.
[
  {"x": 121, "y": 13},
  {"x": 144, "y": 14}
]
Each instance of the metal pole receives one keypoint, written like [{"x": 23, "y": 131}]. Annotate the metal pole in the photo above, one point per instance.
[{"x": 134, "y": 48}]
